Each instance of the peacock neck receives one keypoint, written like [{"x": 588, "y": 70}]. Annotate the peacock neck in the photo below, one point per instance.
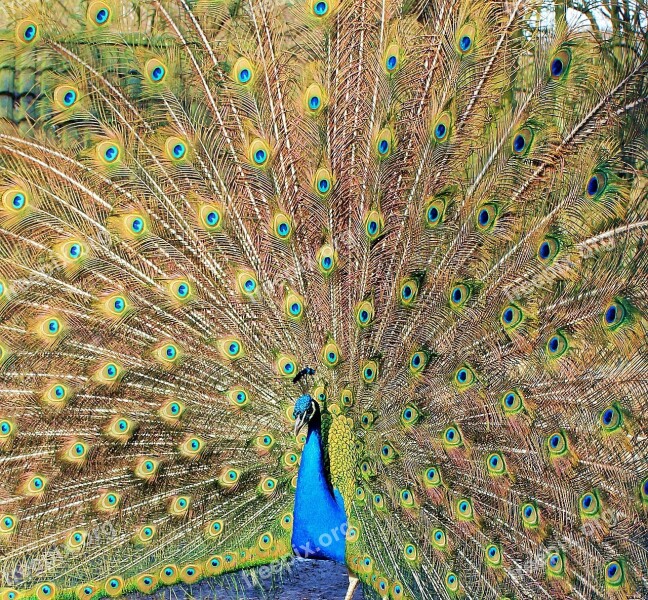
[{"x": 319, "y": 517}]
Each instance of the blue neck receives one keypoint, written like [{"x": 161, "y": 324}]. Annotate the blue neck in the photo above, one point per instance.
[{"x": 319, "y": 518}]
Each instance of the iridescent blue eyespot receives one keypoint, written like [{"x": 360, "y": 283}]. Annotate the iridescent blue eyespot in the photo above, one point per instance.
[
  {"x": 122, "y": 425},
  {"x": 111, "y": 153},
  {"x": 30, "y": 33},
  {"x": 392, "y": 61},
  {"x": 314, "y": 103},
  {"x": 321, "y": 8},
  {"x": 137, "y": 225},
  {"x": 544, "y": 251},
  {"x": 440, "y": 131},
  {"x": 383, "y": 146},
  {"x": 179, "y": 150},
  {"x": 212, "y": 218},
  {"x": 519, "y": 143},
  {"x": 462, "y": 375},
  {"x": 158, "y": 73},
  {"x": 557, "y": 67},
  {"x": 465, "y": 43},
  {"x": 183, "y": 290},
  {"x": 260, "y": 156},
  {"x": 323, "y": 185},
  {"x": 69, "y": 98},
  {"x": 75, "y": 251},
  {"x": 295, "y": 309},
  {"x": 102, "y": 16},
  {"x": 119, "y": 304},
  {"x": 244, "y": 75}
]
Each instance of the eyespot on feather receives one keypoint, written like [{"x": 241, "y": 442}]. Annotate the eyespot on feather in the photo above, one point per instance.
[
  {"x": 156, "y": 71},
  {"x": 442, "y": 127},
  {"x": 315, "y": 99},
  {"x": 27, "y": 32},
  {"x": 327, "y": 259},
  {"x": 65, "y": 97},
  {"x": 99, "y": 13},
  {"x": 243, "y": 72},
  {"x": 466, "y": 39},
  {"x": 258, "y": 153},
  {"x": 176, "y": 149}
]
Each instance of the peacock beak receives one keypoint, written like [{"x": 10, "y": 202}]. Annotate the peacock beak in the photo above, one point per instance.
[{"x": 300, "y": 421}]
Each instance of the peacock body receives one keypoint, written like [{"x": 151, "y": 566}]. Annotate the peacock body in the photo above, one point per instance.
[{"x": 361, "y": 280}]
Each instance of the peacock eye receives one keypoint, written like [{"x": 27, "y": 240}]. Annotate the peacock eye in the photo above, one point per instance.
[
  {"x": 557, "y": 345},
  {"x": 243, "y": 71},
  {"x": 548, "y": 250},
  {"x": 611, "y": 418},
  {"x": 522, "y": 141},
  {"x": 320, "y": 8},
  {"x": 557, "y": 444},
  {"x": 442, "y": 127},
  {"x": 408, "y": 291},
  {"x": 99, "y": 13},
  {"x": 374, "y": 225},
  {"x": 559, "y": 64},
  {"x": 465, "y": 39},
  {"x": 459, "y": 295},
  {"x": 156, "y": 70},
  {"x": 384, "y": 143},
  {"x": 496, "y": 464},
  {"x": 493, "y": 555},
  {"x": 486, "y": 217},
  {"x": 323, "y": 181},
  {"x": 452, "y": 437},
  {"x": 596, "y": 184},
  {"x": 589, "y": 504},
  {"x": 511, "y": 316},
  {"x": 439, "y": 538},
  {"x": 465, "y": 509},
  {"x": 392, "y": 58},
  {"x": 27, "y": 32},
  {"x": 464, "y": 377},
  {"x": 369, "y": 371},
  {"x": 512, "y": 402},
  {"x": 434, "y": 213},
  {"x": 614, "y": 574},
  {"x": 555, "y": 563}
]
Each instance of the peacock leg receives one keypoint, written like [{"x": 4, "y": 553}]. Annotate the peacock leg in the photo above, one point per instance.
[{"x": 353, "y": 584}]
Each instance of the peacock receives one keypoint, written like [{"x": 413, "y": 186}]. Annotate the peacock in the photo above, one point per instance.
[{"x": 363, "y": 281}]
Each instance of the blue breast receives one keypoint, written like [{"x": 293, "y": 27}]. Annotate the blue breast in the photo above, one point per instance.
[{"x": 320, "y": 521}]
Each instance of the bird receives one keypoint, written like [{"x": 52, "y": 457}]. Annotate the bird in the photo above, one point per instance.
[{"x": 363, "y": 281}]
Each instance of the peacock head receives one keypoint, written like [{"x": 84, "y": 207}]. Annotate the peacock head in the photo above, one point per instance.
[{"x": 305, "y": 410}]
